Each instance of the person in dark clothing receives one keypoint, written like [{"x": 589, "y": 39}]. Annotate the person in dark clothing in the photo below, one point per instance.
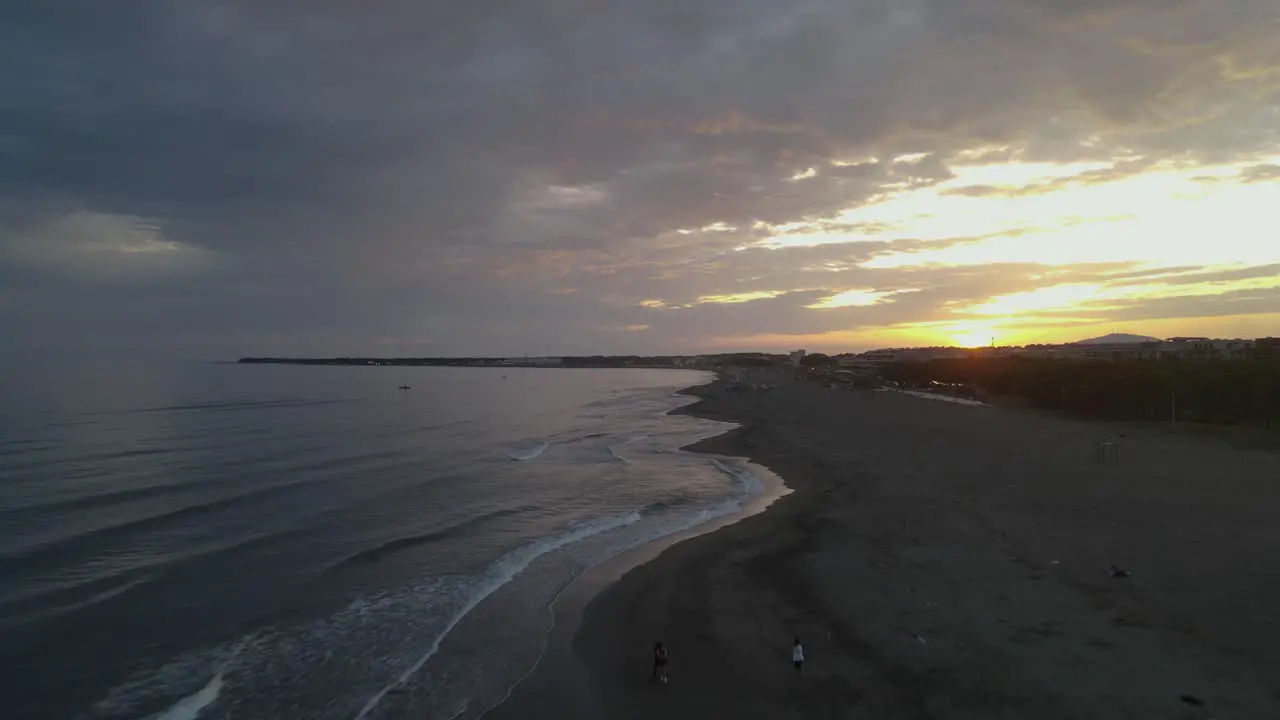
[{"x": 660, "y": 662}]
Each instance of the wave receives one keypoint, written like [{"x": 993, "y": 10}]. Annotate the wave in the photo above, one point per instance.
[
  {"x": 71, "y": 545},
  {"x": 247, "y": 405},
  {"x": 499, "y": 574},
  {"x": 674, "y": 502},
  {"x": 724, "y": 428},
  {"x": 342, "y": 462},
  {"x": 580, "y": 438},
  {"x": 45, "y": 443},
  {"x": 745, "y": 484},
  {"x": 376, "y": 554},
  {"x": 61, "y": 594},
  {"x": 189, "y": 707},
  {"x": 613, "y": 449},
  {"x": 616, "y": 400},
  {"x": 127, "y": 453},
  {"x": 13, "y": 616},
  {"x": 610, "y": 452},
  {"x": 529, "y": 453},
  {"x": 104, "y": 540},
  {"x": 103, "y": 499},
  {"x": 379, "y": 635},
  {"x": 746, "y": 480}
]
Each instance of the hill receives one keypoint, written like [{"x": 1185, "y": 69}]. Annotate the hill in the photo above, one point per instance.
[{"x": 1116, "y": 338}]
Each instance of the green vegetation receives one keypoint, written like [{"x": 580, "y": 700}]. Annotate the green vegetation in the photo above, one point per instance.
[
  {"x": 817, "y": 360},
  {"x": 1230, "y": 393}
]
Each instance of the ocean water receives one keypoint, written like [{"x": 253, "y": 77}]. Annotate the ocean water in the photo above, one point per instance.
[{"x": 226, "y": 541}]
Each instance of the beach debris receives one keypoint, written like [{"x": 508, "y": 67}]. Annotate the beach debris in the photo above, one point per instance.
[
  {"x": 1119, "y": 572},
  {"x": 1191, "y": 700},
  {"x": 921, "y": 640}
]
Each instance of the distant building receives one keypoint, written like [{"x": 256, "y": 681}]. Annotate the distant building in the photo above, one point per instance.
[
  {"x": 1198, "y": 348},
  {"x": 797, "y": 357},
  {"x": 531, "y": 362}
]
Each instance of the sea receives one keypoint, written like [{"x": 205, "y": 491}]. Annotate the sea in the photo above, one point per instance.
[{"x": 216, "y": 540}]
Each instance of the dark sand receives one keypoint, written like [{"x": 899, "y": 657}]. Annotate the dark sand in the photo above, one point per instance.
[{"x": 945, "y": 561}]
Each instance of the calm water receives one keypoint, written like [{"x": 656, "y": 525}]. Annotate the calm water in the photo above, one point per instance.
[{"x": 269, "y": 541}]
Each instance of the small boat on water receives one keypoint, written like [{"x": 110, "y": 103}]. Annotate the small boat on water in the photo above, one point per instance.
[{"x": 404, "y": 387}]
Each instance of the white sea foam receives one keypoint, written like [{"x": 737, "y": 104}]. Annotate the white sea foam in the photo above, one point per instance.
[
  {"x": 499, "y": 574},
  {"x": 395, "y": 651},
  {"x": 384, "y": 626},
  {"x": 746, "y": 480},
  {"x": 748, "y": 485},
  {"x": 529, "y": 453},
  {"x": 613, "y": 449},
  {"x": 384, "y": 643},
  {"x": 723, "y": 428},
  {"x": 189, "y": 707}
]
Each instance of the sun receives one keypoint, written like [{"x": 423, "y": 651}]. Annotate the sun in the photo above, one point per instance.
[
  {"x": 973, "y": 334},
  {"x": 972, "y": 338}
]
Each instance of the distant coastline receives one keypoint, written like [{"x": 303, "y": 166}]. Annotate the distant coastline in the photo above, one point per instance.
[{"x": 689, "y": 362}]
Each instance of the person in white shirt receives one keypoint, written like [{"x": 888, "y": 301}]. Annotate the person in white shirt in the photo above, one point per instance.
[{"x": 797, "y": 655}]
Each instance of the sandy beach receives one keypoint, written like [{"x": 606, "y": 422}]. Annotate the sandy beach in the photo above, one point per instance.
[{"x": 940, "y": 560}]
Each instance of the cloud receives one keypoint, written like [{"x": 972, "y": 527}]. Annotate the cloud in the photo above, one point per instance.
[
  {"x": 1261, "y": 173},
  {"x": 322, "y": 178},
  {"x": 101, "y": 246}
]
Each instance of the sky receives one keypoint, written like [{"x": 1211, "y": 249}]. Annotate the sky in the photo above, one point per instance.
[{"x": 544, "y": 177}]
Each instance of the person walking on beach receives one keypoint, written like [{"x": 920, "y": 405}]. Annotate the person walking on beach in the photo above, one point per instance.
[
  {"x": 797, "y": 655},
  {"x": 660, "y": 662}
]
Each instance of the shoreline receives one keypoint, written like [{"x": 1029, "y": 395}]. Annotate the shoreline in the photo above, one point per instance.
[
  {"x": 557, "y": 663},
  {"x": 940, "y": 560}
]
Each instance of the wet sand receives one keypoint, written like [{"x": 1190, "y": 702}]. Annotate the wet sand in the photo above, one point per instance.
[{"x": 939, "y": 560}]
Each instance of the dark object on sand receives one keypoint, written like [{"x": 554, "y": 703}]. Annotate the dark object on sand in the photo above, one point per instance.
[
  {"x": 1191, "y": 700},
  {"x": 1119, "y": 572}
]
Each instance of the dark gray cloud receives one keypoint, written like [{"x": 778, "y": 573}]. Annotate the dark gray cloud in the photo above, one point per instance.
[{"x": 502, "y": 176}]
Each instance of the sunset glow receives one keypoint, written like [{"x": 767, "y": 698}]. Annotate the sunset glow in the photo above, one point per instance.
[
  {"x": 1170, "y": 224},
  {"x": 830, "y": 175}
]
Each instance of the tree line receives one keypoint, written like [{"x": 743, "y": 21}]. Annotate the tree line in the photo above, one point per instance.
[{"x": 1233, "y": 393}]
